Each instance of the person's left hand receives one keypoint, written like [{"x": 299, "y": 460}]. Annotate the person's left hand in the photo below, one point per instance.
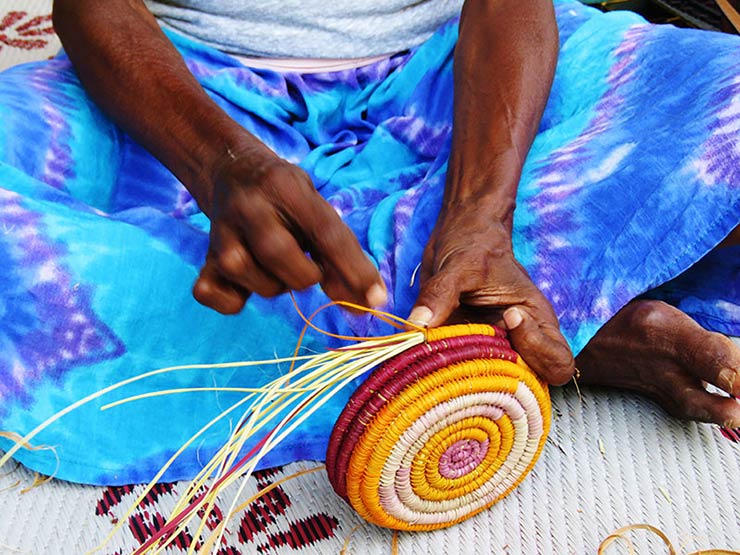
[{"x": 469, "y": 273}]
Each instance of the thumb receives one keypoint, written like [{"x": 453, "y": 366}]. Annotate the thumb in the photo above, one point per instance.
[
  {"x": 438, "y": 298},
  {"x": 540, "y": 344}
]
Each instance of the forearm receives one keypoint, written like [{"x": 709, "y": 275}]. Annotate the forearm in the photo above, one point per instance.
[
  {"x": 133, "y": 72},
  {"x": 504, "y": 64}
]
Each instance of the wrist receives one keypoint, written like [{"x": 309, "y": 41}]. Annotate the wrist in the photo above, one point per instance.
[
  {"x": 489, "y": 208},
  {"x": 486, "y": 208},
  {"x": 218, "y": 155},
  {"x": 488, "y": 187},
  {"x": 473, "y": 227}
]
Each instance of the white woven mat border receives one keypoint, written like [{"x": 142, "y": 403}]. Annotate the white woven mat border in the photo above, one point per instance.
[{"x": 612, "y": 460}]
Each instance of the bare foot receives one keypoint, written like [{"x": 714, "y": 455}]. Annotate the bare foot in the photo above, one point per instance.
[{"x": 657, "y": 350}]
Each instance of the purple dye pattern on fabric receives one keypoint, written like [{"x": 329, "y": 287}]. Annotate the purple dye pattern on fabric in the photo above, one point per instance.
[
  {"x": 556, "y": 181},
  {"x": 348, "y": 201},
  {"x": 264, "y": 82},
  {"x": 185, "y": 205},
  {"x": 59, "y": 164},
  {"x": 723, "y": 169},
  {"x": 53, "y": 328},
  {"x": 376, "y": 72},
  {"x": 385, "y": 268},
  {"x": 404, "y": 211},
  {"x": 417, "y": 134}
]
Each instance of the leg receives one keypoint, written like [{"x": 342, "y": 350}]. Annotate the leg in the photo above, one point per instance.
[
  {"x": 649, "y": 346},
  {"x": 657, "y": 350}
]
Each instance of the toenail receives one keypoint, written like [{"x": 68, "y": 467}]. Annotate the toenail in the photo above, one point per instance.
[{"x": 727, "y": 379}]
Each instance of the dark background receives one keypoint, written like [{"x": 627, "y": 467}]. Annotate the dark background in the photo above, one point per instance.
[{"x": 703, "y": 14}]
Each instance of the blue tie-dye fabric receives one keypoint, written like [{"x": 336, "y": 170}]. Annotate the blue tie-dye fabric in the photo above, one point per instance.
[{"x": 633, "y": 178}]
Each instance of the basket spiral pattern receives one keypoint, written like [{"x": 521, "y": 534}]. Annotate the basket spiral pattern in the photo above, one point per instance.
[{"x": 439, "y": 432}]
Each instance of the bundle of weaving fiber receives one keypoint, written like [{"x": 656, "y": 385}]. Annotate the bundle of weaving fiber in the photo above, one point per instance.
[{"x": 440, "y": 432}]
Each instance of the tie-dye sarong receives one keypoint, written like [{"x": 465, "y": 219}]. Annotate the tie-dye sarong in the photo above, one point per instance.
[{"x": 633, "y": 178}]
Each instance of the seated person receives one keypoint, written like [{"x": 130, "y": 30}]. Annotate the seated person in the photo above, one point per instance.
[{"x": 580, "y": 188}]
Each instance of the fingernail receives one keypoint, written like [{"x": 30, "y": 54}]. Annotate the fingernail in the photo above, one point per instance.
[
  {"x": 421, "y": 316},
  {"x": 377, "y": 296},
  {"x": 512, "y": 318}
]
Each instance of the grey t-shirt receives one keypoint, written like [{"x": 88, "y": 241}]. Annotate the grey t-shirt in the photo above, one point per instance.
[{"x": 306, "y": 28}]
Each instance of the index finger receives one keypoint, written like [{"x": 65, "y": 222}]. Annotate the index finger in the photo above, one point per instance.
[{"x": 336, "y": 247}]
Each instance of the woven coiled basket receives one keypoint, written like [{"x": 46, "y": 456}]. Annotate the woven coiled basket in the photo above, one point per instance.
[{"x": 440, "y": 432}]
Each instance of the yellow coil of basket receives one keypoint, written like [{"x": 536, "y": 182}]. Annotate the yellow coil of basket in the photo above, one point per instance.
[{"x": 440, "y": 432}]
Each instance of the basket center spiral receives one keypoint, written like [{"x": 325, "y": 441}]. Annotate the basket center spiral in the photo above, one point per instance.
[
  {"x": 440, "y": 432},
  {"x": 462, "y": 457}
]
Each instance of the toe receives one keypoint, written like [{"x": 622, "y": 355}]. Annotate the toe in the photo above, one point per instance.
[
  {"x": 693, "y": 402},
  {"x": 714, "y": 358}
]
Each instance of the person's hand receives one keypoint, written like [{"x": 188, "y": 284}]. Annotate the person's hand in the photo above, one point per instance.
[
  {"x": 469, "y": 273},
  {"x": 266, "y": 216}
]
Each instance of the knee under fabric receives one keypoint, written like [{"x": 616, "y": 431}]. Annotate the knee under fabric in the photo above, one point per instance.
[{"x": 440, "y": 432}]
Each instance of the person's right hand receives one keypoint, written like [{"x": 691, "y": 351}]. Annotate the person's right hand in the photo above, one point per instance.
[{"x": 266, "y": 215}]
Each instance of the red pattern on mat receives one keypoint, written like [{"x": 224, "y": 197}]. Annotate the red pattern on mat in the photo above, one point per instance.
[
  {"x": 732, "y": 435},
  {"x": 729, "y": 433},
  {"x": 263, "y": 527},
  {"x": 20, "y": 30}
]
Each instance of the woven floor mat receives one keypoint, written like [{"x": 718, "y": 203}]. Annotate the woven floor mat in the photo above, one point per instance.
[
  {"x": 611, "y": 460},
  {"x": 26, "y": 33}
]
